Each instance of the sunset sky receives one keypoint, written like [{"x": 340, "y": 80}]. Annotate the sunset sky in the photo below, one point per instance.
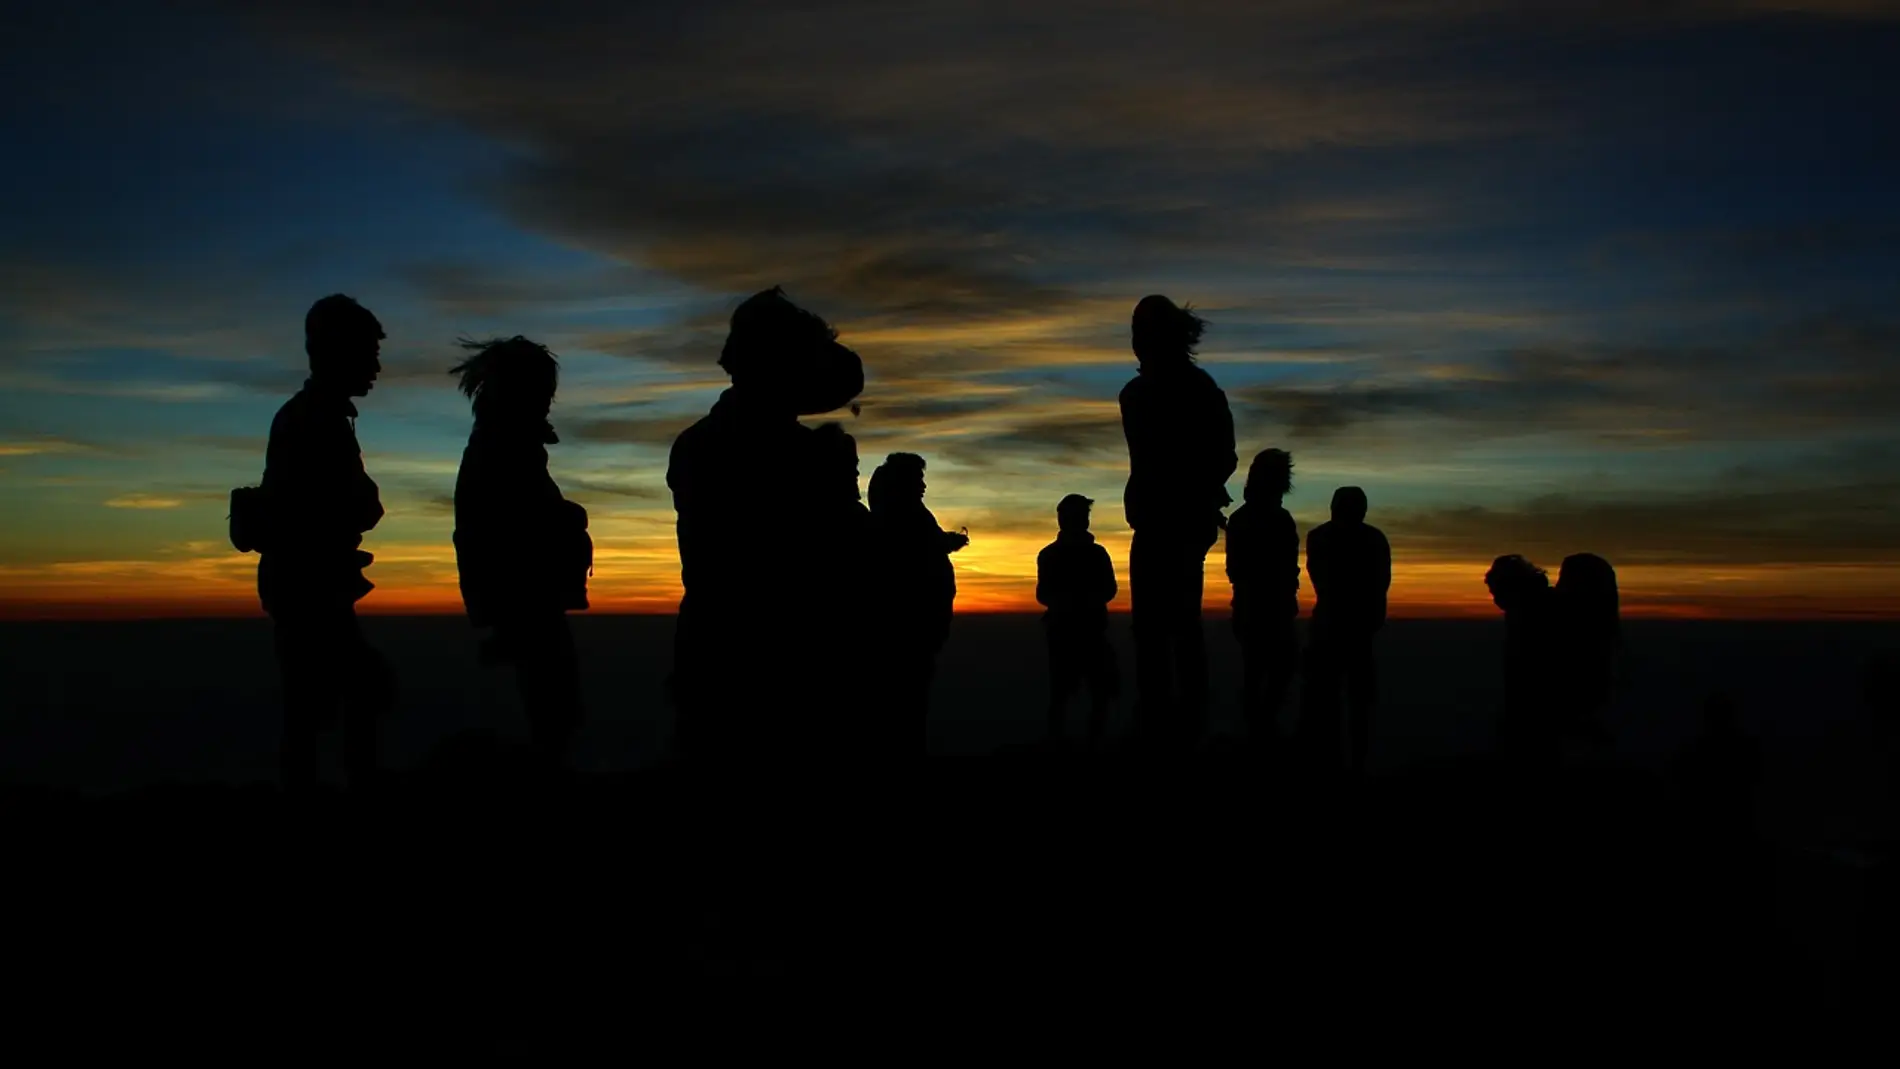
[{"x": 1618, "y": 277}]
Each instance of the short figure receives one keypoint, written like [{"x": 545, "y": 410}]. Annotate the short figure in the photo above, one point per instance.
[
  {"x": 914, "y": 588},
  {"x": 1075, "y": 581},
  {"x": 522, "y": 550},
  {"x": 1263, "y": 566},
  {"x": 1528, "y": 732},
  {"x": 1350, "y": 564},
  {"x": 314, "y": 506}
]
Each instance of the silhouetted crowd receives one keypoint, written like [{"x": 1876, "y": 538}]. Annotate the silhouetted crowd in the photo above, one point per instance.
[{"x": 764, "y": 647}]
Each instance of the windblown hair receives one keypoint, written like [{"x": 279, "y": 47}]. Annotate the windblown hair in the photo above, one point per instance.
[
  {"x": 506, "y": 367},
  {"x": 1163, "y": 328},
  {"x": 1271, "y": 472},
  {"x": 767, "y": 321},
  {"x": 1514, "y": 572}
]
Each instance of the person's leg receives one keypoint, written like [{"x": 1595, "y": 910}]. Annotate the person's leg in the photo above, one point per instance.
[
  {"x": 1318, "y": 730},
  {"x": 370, "y": 694},
  {"x": 547, "y": 674},
  {"x": 1281, "y": 659},
  {"x": 309, "y": 698},
  {"x": 1362, "y": 683},
  {"x": 1149, "y": 607},
  {"x": 1190, "y": 640},
  {"x": 1058, "y": 683}
]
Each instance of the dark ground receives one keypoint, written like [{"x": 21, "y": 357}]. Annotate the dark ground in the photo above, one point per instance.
[{"x": 145, "y": 834}]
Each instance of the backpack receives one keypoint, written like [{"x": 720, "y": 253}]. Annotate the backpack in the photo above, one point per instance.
[{"x": 251, "y": 520}]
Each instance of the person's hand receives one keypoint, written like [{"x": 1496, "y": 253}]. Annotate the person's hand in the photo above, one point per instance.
[{"x": 957, "y": 539}]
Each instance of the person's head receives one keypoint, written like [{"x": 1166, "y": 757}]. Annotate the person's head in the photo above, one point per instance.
[
  {"x": 789, "y": 356},
  {"x": 1513, "y": 579},
  {"x": 897, "y": 481},
  {"x": 508, "y": 378},
  {"x": 1588, "y": 585},
  {"x": 1269, "y": 476},
  {"x": 344, "y": 343},
  {"x": 1349, "y": 505},
  {"x": 1072, "y": 513},
  {"x": 1164, "y": 334}
]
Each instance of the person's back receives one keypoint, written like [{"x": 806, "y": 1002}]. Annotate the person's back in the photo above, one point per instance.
[
  {"x": 1075, "y": 581},
  {"x": 1350, "y": 564},
  {"x": 1180, "y": 436},
  {"x": 1263, "y": 560},
  {"x": 1588, "y": 627},
  {"x": 916, "y": 583}
]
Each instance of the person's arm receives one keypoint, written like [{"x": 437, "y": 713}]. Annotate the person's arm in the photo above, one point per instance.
[
  {"x": 1106, "y": 586},
  {"x": 1042, "y": 578},
  {"x": 1221, "y": 456}
]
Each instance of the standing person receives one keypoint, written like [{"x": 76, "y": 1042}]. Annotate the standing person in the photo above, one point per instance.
[
  {"x": 521, "y": 549},
  {"x": 1528, "y": 733},
  {"x": 1589, "y": 632},
  {"x": 1075, "y": 581},
  {"x": 915, "y": 588},
  {"x": 1180, "y": 452},
  {"x": 763, "y": 624},
  {"x": 1263, "y": 565},
  {"x": 311, "y": 512},
  {"x": 1350, "y": 563}
]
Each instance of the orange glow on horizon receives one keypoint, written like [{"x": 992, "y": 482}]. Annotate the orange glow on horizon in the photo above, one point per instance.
[{"x": 995, "y": 575}]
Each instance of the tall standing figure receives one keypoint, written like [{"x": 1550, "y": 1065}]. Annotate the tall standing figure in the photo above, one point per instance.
[
  {"x": 1528, "y": 733},
  {"x": 766, "y": 630},
  {"x": 315, "y": 504},
  {"x": 1350, "y": 563},
  {"x": 914, "y": 591},
  {"x": 1263, "y": 565},
  {"x": 1180, "y": 454},
  {"x": 521, "y": 549}
]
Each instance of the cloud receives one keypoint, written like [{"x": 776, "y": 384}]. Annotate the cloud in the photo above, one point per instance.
[
  {"x": 40, "y": 447},
  {"x": 144, "y": 501},
  {"x": 640, "y": 430}
]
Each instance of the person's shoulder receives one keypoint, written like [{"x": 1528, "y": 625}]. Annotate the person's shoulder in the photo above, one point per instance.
[
  {"x": 1132, "y": 389},
  {"x": 1240, "y": 517}
]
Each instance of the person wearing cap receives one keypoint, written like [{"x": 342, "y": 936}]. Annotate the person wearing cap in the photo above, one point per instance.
[
  {"x": 1180, "y": 454},
  {"x": 321, "y": 502},
  {"x": 1075, "y": 581},
  {"x": 765, "y": 622},
  {"x": 1350, "y": 563},
  {"x": 1263, "y": 566}
]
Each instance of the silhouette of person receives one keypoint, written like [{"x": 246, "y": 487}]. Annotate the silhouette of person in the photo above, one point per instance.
[
  {"x": 915, "y": 588},
  {"x": 1588, "y": 630},
  {"x": 521, "y": 549},
  {"x": 1075, "y": 581},
  {"x": 1350, "y": 564},
  {"x": 1521, "y": 589},
  {"x": 1263, "y": 565},
  {"x": 1180, "y": 452},
  {"x": 321, "y": 502},
  {"x": 764, "y": 623}
]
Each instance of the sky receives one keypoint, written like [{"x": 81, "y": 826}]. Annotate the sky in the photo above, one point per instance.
[{"x": 1609, "y": 277}]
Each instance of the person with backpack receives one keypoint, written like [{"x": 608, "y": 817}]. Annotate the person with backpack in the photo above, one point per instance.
[{"x": 307, "y": 520}]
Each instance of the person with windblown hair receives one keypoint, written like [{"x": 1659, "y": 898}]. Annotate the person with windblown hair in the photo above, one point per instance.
[
  {"x": 1263, "y": 565},
  {"x": 521, "y": 549},
  {"x": 1180, "y": 454}
]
